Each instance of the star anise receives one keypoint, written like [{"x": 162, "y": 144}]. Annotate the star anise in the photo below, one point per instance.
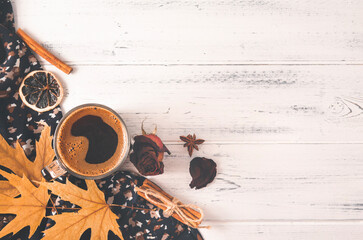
[{"x": 191, "y": 142}]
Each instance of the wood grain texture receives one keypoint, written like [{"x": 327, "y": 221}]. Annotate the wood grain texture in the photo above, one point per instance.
[
  {"x": 288, "y": 104},
  {"x": 162, "y": 31}
]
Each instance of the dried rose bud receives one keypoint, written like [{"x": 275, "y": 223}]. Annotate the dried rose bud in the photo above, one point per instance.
[
  {"x": 148, "y": 154},
  {"x": 203, "y": 171}
]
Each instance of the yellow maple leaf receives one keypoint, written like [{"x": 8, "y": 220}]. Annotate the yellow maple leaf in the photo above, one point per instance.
[
  {"x": 30, "y": 207},
  {"x": 16, "y": 160},
  {"x": 95, "y": 213},
  {"x": 7, "y": 189}
]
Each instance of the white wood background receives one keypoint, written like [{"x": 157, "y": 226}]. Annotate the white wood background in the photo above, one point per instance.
[{"x": 274, "y": 86}]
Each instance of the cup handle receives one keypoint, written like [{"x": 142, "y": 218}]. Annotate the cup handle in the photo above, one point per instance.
[{"x": 54, "y": 170}]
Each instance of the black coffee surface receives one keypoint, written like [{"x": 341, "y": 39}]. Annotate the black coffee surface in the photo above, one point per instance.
[{"x": 101, "y": 136}]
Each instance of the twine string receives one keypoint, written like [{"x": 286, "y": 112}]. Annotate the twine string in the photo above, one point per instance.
[{"x": 171, "y": 206}]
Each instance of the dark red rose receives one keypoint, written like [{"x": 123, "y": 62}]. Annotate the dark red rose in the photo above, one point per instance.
[
  {"x": 148, "y": 154},
  {"x": 203, "y": 171}
]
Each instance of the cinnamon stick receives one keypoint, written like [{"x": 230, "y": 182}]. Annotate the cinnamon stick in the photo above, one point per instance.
[
  {"x": 36, "y": 47},
  {"x": 187, "y": 211}
]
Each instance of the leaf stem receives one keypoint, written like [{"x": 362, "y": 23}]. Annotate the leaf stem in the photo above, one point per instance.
[
  {"x": 111, "y": 205},
  {"x": 54, "y": 207}
]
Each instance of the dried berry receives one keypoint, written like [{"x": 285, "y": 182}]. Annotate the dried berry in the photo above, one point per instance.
[{"x": 203, "y": 171}]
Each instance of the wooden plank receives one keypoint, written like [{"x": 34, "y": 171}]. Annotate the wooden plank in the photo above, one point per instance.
[
  {"x": 93, "y": 31},
  {"x": 259, "y": 182},
  {"x": 251, "y": 104},
  {"x": 232, "y": 230}
]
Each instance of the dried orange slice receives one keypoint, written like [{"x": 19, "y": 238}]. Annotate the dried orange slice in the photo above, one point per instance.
[{"x": 41, "y": 91}]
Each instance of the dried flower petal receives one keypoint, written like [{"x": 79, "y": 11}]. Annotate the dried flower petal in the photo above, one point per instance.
[{"x": 203, "y": 171}]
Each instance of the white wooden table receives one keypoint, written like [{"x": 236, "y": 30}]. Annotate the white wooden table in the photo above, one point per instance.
[{"x": 274, "y": 86}]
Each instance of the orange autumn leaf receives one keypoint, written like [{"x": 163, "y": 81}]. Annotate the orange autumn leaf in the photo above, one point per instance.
[
  {"x": 16, "y": 160},
  {"x": 29, "y": 208},
  {"x": 95, "y": 213},
  {"x": 44, "y": 153},
  {"x": 7, "y": 189}
]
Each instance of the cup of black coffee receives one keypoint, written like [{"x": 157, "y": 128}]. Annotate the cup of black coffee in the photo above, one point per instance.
[{"x": 91, "y": 142}]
